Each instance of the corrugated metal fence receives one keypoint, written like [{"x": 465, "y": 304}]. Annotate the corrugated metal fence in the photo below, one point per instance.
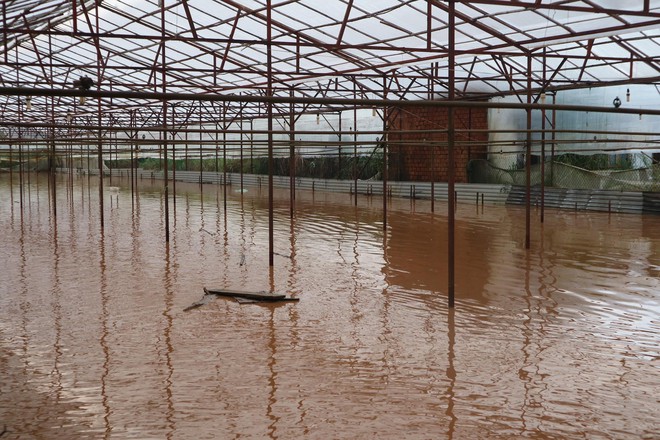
[{"x": 560, "y": 198}]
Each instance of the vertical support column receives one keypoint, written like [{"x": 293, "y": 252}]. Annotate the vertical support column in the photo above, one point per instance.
[
  {"x": 251, "y": 146},
  {"x": 339, "y": 136},
  {"x": 355, "y": 130},
  {"x": 11, "y": 178},
  {"x": 269, "y": 109},
  {"x": 432, "y": 176},
  {"x": 224, "y": 157},
  {"x": 451, "y": 210},
  {"x": 186, "y": 154},
  {"x": 543, "y": 116},
  {"x": 384, "y": 141},
  {"x": 553, "y": 139},
  {"x": 174, "y": 133},
  {"x": 528, "y": 156},
  {"x": 292, "y": 155},
  {"x": 52, "y": 175},
  {"x": 201, "y": 155},
  {"x": 217, "y": 169},
  {"x": 163, "y": 133},
  {"x": 20, "y": 156},
  {"x": 109, "y": 140},
  {"x": 131, "y": 146},
  {"x": 542, "y": 98},
  {"x": 21, "y": 178},
  {"x": 99, "y": 120},
  {"x": 240, "y": 118}
]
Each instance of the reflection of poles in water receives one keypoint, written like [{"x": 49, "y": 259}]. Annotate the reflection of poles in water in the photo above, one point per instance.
[
  {"x": 272, "y": 378},
  {"x": 104, "y": 336},
  {"x": 451, "y": 372},
  {"x": 167, "y": 336},
  {"x": 527, "y": 333},
  {"x": 529, "y": 373},
  {"x": 272, "y": 345},
  {"x": 24, "y": 304},
  {"x": 57, "y": 320}
]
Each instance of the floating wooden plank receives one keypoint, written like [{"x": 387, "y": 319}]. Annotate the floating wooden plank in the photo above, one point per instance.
[
  {"x": 253, "y": 301},
  {"x": 256, "y": 296}
]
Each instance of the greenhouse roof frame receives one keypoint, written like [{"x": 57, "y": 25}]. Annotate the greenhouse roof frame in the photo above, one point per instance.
[{"x": 391, "y": 49}]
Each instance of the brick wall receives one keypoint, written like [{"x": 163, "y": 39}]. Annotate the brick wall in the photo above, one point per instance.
[{"x": 422, "y": 156}]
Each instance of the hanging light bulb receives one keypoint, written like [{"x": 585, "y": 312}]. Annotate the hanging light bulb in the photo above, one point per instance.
[
  {"x": 373, "y": 111},
  {"x": 318, "y": 119},
  {"x": 28, "y": 103},
  {"x": 627, "y": 95},
  {"x": 82, "y": 100},
  {"x": 542, "y": 97}
]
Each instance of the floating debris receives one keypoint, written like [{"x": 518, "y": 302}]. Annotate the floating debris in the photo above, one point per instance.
[
  {"x": 252, "y": 296},
  {"x": 205, "y": 300}
]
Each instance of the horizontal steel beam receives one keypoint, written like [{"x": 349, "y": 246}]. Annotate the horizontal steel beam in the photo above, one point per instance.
[{"x": 161, "y": 96}]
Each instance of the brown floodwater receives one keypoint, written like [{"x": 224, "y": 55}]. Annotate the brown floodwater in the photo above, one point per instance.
[{"x": 561, "y": 341}]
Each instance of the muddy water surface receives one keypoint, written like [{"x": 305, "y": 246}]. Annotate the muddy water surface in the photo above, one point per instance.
[{"x": 561, "y": 341}]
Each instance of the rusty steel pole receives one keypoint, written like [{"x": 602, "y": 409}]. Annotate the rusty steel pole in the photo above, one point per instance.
[
  {"x": 173, "y": 162},
  {"x": 133, "y": 171},
  {"x": 384, "y": 141},
  {"x": 542, "y": 98},
  {"x": 450, "y": 158},
  {"x": 528, "y": 156},
  {"x": 99, "y": 117},
  {"x": 201, "y": 154},
  {"x": 240, "y": 119},
  {"x": 543, "y": 165},
  {"x": 292, "y": 156},
  {"x": 355, "y": 164},
  {"x": 269, "y": 109},
  {"x": 224, "y": 157},
  {"x": 164, "y": 116}
]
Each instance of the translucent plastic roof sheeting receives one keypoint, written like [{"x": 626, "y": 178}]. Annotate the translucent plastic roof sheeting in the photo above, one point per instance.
[{"x": 343, "y": 48}]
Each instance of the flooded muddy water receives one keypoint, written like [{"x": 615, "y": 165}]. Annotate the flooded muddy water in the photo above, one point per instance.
[{"x": 558, "y": 342}]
